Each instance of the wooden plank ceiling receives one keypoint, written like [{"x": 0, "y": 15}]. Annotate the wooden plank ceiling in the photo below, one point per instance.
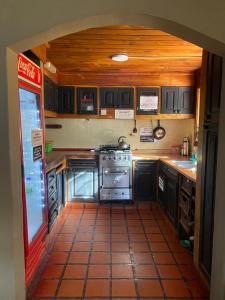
[{"x": 85, "y": 57}]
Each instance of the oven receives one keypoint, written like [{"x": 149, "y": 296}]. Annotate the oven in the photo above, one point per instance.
[{"x": 115, "y": 175}]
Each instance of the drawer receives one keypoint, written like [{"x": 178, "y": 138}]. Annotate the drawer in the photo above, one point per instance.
[
  {"x": 52, "y": 199},
  {"x": 51, "y": 188},
  {"x": 51, "y": 176},
  {"x": 187, "y": 185}
]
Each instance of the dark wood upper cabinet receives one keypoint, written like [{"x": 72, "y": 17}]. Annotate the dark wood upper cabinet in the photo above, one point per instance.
[
  {"x": 116, "y": 97},
  {"x": 186, "y": 102},
  {"x": 178, "y": 100},
  {"x": 87, "y": 101},
  {"x": 125, "y": 98},
  {"x": 212, "y": 66},
  {"x": 108, "y": 97},
  {"x": 169, "y": 102},
  {"x": 50, "y": 95},
  {"x": 146, "y": 92},
  {"x": 66, "y": 96}
]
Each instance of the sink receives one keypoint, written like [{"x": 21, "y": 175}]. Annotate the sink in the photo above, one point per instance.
[{"x": 186, "y": 164}]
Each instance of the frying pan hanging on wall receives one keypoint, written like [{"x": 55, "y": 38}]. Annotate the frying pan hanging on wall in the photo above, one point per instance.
[{"x": 159, "y": 132}]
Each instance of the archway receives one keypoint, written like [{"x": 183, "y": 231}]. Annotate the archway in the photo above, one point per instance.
[{"x": 9, "y": 120}]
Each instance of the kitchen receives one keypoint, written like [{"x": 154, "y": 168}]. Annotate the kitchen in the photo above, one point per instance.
[{"x": 91, "y": 114}]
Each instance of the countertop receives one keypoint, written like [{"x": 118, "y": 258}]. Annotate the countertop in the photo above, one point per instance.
[{"x": 56, "y": 157}]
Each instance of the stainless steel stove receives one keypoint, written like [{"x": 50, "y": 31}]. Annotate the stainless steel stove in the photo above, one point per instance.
[{"x": 115, "y": 168}]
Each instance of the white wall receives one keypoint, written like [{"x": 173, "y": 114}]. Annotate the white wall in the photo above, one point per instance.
[
  {"x": 24, "y": 24},
  {"x": 76, "y": 133}
]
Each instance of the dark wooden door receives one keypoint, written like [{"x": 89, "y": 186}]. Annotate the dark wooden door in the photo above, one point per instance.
[
  {"x": 186, "y": 100},
  {"x": 108, "y": 97},
  {"x": 209, "y": 159},
  {"x": 169, "y": 102},
  {"x": 87, "y": 100},
  {"x": 172, "y": 195},
  {"x": 146, "y": 92},
  {"x": 162, "y": 196},
  {"x": 50, "y": 95},
  {"x": 66, "y": 99},
  {"x": 145, "y": 180},
  {"x": 125, "y": 98}
]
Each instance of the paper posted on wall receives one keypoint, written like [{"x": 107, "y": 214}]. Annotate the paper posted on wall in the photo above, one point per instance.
[
  {"x": 146, "y": 135},
  {"x": 149, "y": 103}
]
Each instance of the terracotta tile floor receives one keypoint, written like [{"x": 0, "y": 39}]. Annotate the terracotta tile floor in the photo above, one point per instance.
[{"x": 117, "y": 252}]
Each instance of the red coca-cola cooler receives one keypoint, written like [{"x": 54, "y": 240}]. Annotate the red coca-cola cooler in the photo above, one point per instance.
[{"x": 32, "y": 163}]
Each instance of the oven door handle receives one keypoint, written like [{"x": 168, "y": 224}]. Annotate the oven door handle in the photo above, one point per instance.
[{"x": 115, "y": 172}]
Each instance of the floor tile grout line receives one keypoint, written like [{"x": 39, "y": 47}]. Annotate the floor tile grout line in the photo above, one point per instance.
[
  {"x": 150, "y": 250},
  {"x": 89, "y": 257},
  {"x": 183, "y": 278},
  {"x": 132, "y": 258},
  {"x": 69, "y": 252}
]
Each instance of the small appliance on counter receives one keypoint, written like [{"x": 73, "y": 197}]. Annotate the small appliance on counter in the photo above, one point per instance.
[{"x": 185, "y": 147}]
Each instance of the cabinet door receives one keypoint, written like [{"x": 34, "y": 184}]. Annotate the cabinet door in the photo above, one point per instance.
[
  {"x": 83, "y": 185},
  {"x": 66, "y": 99},
  {"x": 145, "y": 180},
  {"x": 171, "y": 193},
  {"x": 125, "y": 98},
  {"x": 108, "y": 97},
  {"x": 146, "y": 92},
  {"x": 87, "y": 101},
  {"x": 169, "y": 102},
  {"x": 162, "y": 197},
  {"x": 46, "y": 93},
  {"x": 186, "y": 100}
]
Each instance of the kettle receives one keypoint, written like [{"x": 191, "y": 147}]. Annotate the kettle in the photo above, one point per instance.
[{"x": 122, "y": 145}]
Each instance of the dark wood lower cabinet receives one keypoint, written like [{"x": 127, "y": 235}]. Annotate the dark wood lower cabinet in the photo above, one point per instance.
[
  {"x": 171, "y": 193},
  {"x": 145, "y": 180},
  {"x": 168, "y": 191}
]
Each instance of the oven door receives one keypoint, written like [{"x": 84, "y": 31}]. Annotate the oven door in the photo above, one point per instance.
[{"x": 116, "y": 177}]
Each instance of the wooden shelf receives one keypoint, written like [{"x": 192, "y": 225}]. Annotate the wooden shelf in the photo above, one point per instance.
[
  {"x": 50, "y": 114},
  {"x": 165, "y": 117},
  {"x": 111, "y": 115}
]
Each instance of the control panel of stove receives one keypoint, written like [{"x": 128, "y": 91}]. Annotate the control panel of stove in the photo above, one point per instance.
[{"x": 116, "y": 158}]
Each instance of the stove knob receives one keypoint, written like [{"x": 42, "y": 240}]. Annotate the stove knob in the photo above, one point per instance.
[
  {"x": 120, "y": 158},
  {"x": 103, "y": 158},
  {"x": 114, "y": 158}
]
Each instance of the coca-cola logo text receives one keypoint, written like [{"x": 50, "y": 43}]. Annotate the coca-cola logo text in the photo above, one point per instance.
[{"x": 26, "y": 68}]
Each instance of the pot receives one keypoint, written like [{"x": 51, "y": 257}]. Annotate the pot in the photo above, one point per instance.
[
  {"x": 122, "y": 145},
  {"x": 159, "y": 132}
]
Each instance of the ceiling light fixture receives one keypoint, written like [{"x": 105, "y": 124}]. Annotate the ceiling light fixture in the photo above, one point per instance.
[
  {"x": 50, "y": 67},
  {"x": 120, "y": 57}
]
